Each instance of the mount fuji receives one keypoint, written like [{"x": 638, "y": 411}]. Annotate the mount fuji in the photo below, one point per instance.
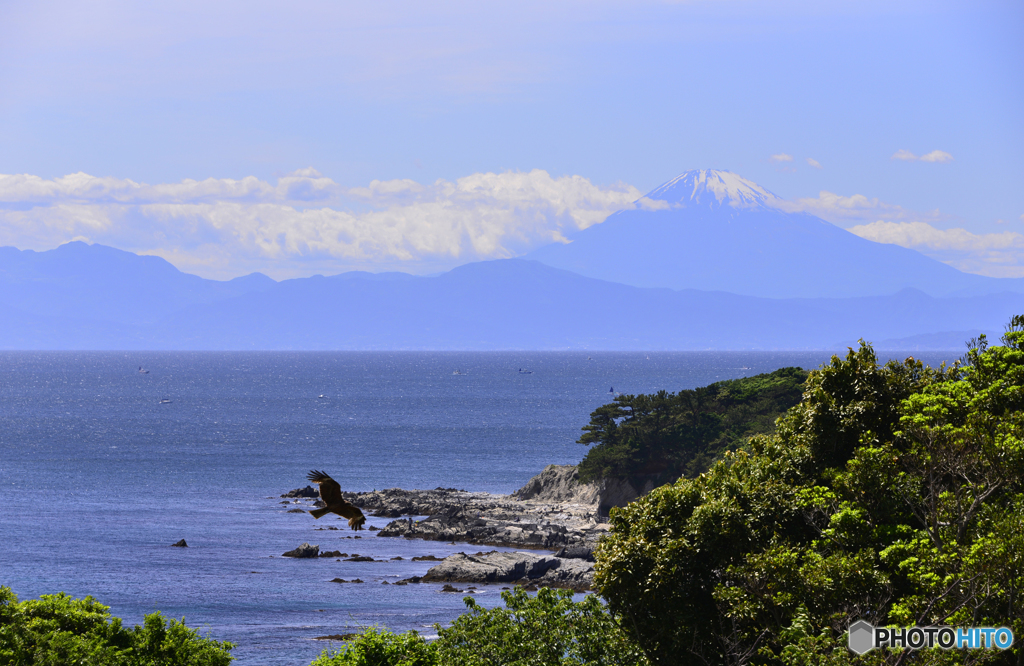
[{"x": 717, "y": 231}]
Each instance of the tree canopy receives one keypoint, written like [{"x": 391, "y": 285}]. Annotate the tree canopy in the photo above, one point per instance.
[
  {"x": 58, "y": 629},
  {"x": 891, "y": 493},
  {"x": 663, "y": 436},
  {"x": 548, "y": 629}
]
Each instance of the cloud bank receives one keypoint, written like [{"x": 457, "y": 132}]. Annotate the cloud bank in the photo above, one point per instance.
[
  {"x": 993, "y": 254},
  {"x": 305, "y": 222}
]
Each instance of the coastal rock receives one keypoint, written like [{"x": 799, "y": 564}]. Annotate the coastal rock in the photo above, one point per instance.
[
  {"x": 305, "y": 550},
  {"x": 520, "y": 568},
  {"x": 336, "y": 637},
  {"x": 308, "y": 491},
  {"x": 501, "y": 524},
  {"x": 553, "y": 511},
  {"x": 558, "y": 483},
  {"x": 180, "y": 544},
  {"x": 576, "y": 553}
]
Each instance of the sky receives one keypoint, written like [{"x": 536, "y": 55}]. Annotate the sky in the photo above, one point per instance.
[{"x": 324, "y": 136}]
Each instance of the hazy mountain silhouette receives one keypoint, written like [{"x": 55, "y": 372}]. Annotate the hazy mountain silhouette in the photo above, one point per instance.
[
  {"x": 507, "y": 304},
  {"x": 96, "y": 282},
  {"x": 715, "y": 230}
]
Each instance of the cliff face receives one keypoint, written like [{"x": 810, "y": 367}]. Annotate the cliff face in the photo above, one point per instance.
[{"x": 560, "y": 483}]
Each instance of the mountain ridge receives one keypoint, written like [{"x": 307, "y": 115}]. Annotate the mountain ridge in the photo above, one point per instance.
[
  {"x": 502, "y": 304},
  {"x": 715, "y": 230}
]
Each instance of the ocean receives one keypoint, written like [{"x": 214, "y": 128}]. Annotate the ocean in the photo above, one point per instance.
[{"x": 103, "y": 467}]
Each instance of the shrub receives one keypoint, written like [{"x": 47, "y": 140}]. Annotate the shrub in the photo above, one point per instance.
[{"x": 57, "y": 629}]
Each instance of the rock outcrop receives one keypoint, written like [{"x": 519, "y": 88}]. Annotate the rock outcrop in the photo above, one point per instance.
[
  {"x": 498, "y": 520},
  {"x": 308, "y": 491},
  {"x": 516, "y": 568},
  {"x": 561, "y": 483},
  {"x": 180, "y": 544},
  {"x": 553, "y": 511},
  {"x": 305, "y": 550},
  {"x": 558, "y": 483}
]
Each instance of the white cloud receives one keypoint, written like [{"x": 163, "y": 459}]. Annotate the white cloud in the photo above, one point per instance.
[
  {"x": 814, "y": 163},
  {"x": 996, "y": 254},
  {"x": 306, "y": 223},
  {"x": 781, "y": 157},
  {"x": 922, "y": 234},
  {"x": 940, "y": 156},
  {"x": 844, "y": 211}
]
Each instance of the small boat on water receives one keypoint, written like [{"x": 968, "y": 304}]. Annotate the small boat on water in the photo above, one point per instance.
[
  {"x": 525, "y": 372},
  {"x": 143, "y": 371},
  {"x": 457, "y": 372},
  {"x": 166, "y": 401},
  {"x": 321, "y": 397}
]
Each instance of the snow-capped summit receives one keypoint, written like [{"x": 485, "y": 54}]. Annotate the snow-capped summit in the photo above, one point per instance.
[{"x": 711, "y": 188}]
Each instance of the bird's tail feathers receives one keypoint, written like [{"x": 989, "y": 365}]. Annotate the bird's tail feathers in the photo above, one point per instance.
[{"x": 318, "y": 513}]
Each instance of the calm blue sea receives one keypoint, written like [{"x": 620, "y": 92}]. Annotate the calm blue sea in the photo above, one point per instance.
[{"x": 99, "y": 474}]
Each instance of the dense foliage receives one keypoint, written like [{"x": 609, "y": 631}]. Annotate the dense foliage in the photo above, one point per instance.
[
  {"x": 893, "y": 494},
  {"x": 549, "y": 629},
  {"x": 380, "y": 647},
  {"x": 58, "y": 629},
  {"x": 663, "y": 436}
]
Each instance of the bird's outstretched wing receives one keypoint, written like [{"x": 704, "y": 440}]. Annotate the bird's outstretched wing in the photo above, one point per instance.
[{"x": 330, "y": 490}]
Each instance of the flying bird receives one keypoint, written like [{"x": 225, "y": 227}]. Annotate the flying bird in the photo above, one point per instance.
[{"x": 330, "y": 493}]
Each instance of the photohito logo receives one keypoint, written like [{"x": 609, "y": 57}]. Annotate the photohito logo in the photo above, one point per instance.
[{"x": 864, "y": 637}]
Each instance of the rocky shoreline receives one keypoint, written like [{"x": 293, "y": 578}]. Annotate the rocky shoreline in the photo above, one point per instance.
[{"x": 553, "y": 512}]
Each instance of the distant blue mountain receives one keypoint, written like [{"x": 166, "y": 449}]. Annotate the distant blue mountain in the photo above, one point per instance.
[
  {"x": 96, "y": 282},
  {"x": 713, "y": 230},
  {"x": 507, "y": 304}
]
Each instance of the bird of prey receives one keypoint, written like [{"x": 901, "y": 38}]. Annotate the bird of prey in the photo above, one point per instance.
[{"x": 330, "y": 493}]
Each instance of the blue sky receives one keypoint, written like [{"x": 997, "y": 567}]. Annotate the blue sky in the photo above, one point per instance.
[{"x": 520, "y": 122}]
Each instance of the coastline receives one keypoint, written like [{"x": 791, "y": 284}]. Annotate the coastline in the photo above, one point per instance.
[{"x": 553, "y": 512}]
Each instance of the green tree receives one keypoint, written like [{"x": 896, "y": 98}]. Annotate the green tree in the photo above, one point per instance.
[
  {"x": 58, "y": 629},
  {"x": 663, "y": 436},
  {"x": 380, "y": 647},
  {"x": 890, "y": 493},
  {"x": 549, "y": 629}
]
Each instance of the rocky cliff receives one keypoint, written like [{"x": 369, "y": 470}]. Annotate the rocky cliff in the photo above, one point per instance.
[{"x": 560, "y": 483}]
